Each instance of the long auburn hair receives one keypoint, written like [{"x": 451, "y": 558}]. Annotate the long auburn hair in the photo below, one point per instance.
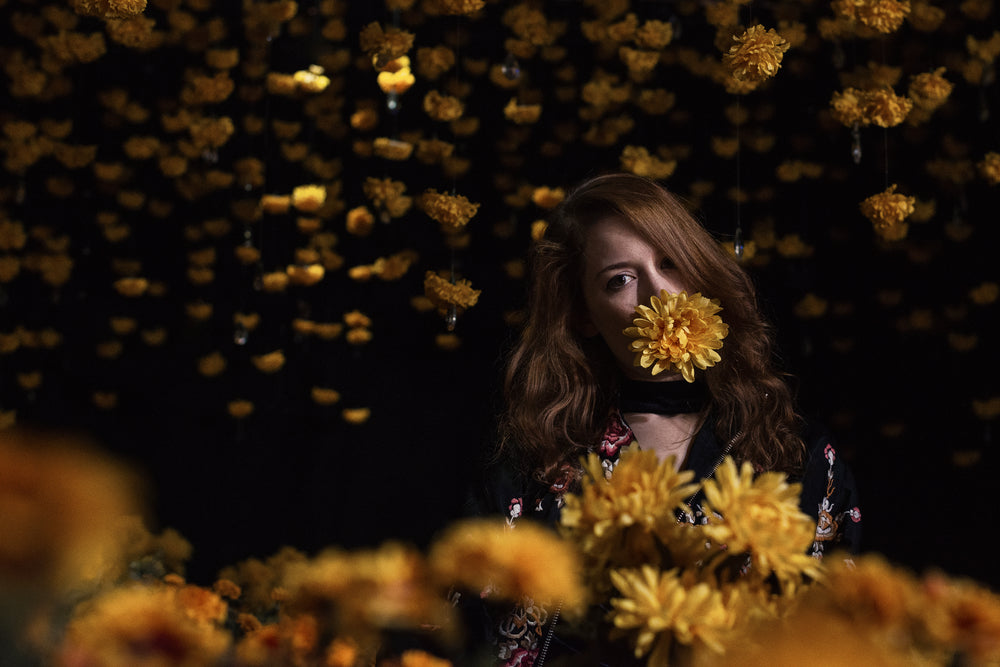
[{"x": 560, "y": 386}]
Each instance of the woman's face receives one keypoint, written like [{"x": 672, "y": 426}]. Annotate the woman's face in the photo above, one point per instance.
[{"x": 620, "y": 271}]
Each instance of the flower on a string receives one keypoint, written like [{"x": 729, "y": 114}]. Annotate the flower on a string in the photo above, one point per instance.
[
  {"x": 756, "y": 55},
  {"x": 109, "y": 9},
  {"x": 886, "y": 109},
  {"x": 887, "y": 211},
  {"x": 308, "y": 198},
  {"x": 384, "y": 45},
  {"x": 678, "y": 332},
  {"x": 387, "y": 195},
  {"x": 443, "y": 107},
  {"x": 546, "y": 197},
  {"x": 459, "y": 7},
  {"x": 452, "y": 212},
  {"x": 446, "y": 294},
  {"x": 884, "y": 16},
  {"x": 637, "y": 160},
  {"x": 929, "y": 90},
  {"x": 989, "y": 168},
  {"x": 392, "y": 149},
  {"x": 522, "y": 114},
  {"x": 654, "y": 608}
]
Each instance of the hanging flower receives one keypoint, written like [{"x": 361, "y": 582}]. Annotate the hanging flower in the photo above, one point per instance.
[
  {"x": 460, "y": 7},
  {"x": 446, "y": 294},
  {"x": 530, "y": 560},
  {"x": 356, "y": 416},
  {"x": 884, "y": 16},
  {"x": 387, "y": 195},
  {"x": 240, "y": 408},
  {"x": 546, "y": 197},
  {"x": 654, "y": 35},
  {"x": 989, "y": 168},
  {"x": 308, "y": 198},
  {"x": 884, "y": 108},
  {"x": 396, "y": 80},
  {"x": 271, "y": 362},
  {"x": 756, "y": 55},
  {"x": 443, "y": 107},
  {"x": 392, "y": 149},
  {"x": 679, "y": 332},
  {"x": 452, "y": 212},
  {"x": 324, "y": 395},
  {"x": 887, "y": 211},
  {"x": 929, "y": 90},
  {"x": 637, "y": 160},
  {"x": 384, "y": 46},
  {"x": 522, "y": 114}
]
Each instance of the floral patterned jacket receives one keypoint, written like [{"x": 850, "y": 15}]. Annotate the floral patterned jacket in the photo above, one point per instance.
[{"x": 524, "y": 638}]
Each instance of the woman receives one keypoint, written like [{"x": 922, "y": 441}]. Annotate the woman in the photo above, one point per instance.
[{"x": 573, "y": 385}]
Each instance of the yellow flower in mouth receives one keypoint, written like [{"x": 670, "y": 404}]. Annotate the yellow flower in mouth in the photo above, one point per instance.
[{"x": 678, "y": 332}]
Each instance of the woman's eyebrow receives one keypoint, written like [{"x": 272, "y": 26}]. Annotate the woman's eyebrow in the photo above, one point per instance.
[{"x": 614, "y": 267}]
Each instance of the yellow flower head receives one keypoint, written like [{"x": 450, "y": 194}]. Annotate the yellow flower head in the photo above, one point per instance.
[
  {"x": 678, "y": 332},
  {"x": 528, "y": 560},
  {"x": 446, "y": 294},
  {"x": 522, "y": 114},
  {"x": 625, "y": 519},
  {"x": 989, "y": 168},
  {"x": 140, "y": 625},
  {"x": 452, "y": 212},
  {"x": 929, "y": 90},
  {"x": 887, "y": 211},
  {"x": 637, "y": 159},
  {"x": 756, "y": 55},
  {"x": 761, "y": 516},
  {"x": 655, "y": 607},
  {"x": 443, "y": 107}
]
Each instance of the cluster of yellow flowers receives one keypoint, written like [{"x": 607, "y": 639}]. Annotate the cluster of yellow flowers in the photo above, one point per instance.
[
  {"x": 677, "y": 333},
  {"x": 449, "y": 295},
  {"x": 670, "y": 581}
]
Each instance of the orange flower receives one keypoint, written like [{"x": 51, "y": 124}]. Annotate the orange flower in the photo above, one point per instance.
[{"x": 756, "y": 55}]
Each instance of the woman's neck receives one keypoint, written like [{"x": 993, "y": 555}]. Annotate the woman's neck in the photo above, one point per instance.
[{"x": 667, "y": 435}]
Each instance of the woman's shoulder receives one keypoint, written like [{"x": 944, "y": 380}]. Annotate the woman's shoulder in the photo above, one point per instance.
[{"x": 830, "y": 492}]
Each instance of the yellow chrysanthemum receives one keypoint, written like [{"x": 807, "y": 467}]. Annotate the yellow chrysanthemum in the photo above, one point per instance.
[
  {"x": 887, "y": 211},
  {"x": 446, "y": 294},
  {"x": 929, "y": 90},
  {"x": 386, "y": 587},
  {"x": 443, "y": 107},
  {"x": 989, "y": 168},
  {"x": 144, "y": 625},
  {"x": 625, "y": 519},
  {"x": 761, "y": 516},
  {"x": 756, "y": 55},
  {"x": 679, "y": 332},
  {"x": 526, "y": 561},
  {"x": 657, "y": 607},
  {"x": 452, "y": 212},
  {"x": 637, "y": 160}
]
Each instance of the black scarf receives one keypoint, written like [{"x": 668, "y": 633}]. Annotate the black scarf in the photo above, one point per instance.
[{"x": 673, "y": 397}]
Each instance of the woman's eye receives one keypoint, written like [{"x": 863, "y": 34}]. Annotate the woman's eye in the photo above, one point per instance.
[{"x": 619, "y": 281}]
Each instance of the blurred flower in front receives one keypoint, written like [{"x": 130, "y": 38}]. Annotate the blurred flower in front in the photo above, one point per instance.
[
  {"x": 60, "y": 506},
  {"x": 528, "y": 560},
  {"x": 142, "y": 626}
]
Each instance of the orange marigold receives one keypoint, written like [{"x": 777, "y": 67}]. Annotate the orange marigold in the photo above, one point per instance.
[
  {"x": 887, "y": 211},
  {"x": 452, "y": 212},
  {"x": 756, "y": 55}
]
